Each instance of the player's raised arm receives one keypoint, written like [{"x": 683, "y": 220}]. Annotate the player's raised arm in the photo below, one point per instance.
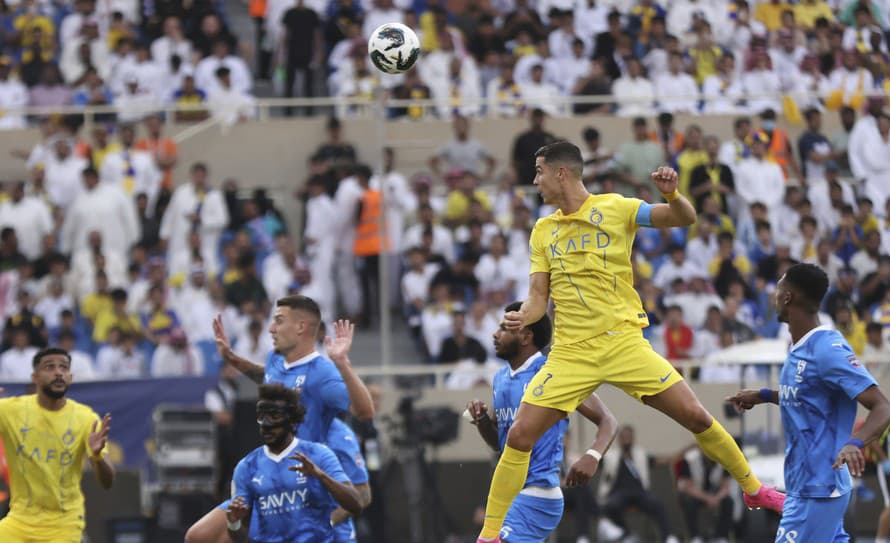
[
  {"x": 343, "y": 493},
  {"x": 594, "y": 410},
  {"x": 97, "y": 440},
  {"x": 361, "y": 404},
  {"x": 678, "y": 211},
  {"x": 486, "y": 425},
  {"x": 877, "y": 420},
  {"x": 254, "y": 372}
]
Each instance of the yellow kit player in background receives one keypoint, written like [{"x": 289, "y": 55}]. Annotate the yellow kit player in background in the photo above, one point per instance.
[
  {"x": 47, "y": 439},
  {"x": 580, "y": 257}
]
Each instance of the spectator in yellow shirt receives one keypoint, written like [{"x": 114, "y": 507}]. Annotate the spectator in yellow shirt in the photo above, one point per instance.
[
  {"x": 457, "y": 207},
  {"x": 852, "y": 328},
  {"x": 692, "y": 155},
  {"x": 99, "y": 301},
  {"x": 705, "y": 55},
  {"x": 116, "y": 317},
  {"x": 808, "y": 11},
  {"x": 727, "y": 262},
  {"x": 770, "y": 13}
]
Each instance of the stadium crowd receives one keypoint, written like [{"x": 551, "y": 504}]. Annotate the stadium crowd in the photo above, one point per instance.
[
  {"x": 496, "y": 58},
  {"x": 103, "y": 253}
]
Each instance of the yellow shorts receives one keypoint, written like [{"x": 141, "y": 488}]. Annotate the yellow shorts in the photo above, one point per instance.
[
  {"x": 621, "y": 357},
  {"x": 14, "y": 531}
]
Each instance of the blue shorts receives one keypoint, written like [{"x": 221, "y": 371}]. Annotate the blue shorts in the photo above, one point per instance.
[
  {"x": 531, "y": 519},
  {"x": 813, "y": 520},
  {"x": 344, "y": 532}
]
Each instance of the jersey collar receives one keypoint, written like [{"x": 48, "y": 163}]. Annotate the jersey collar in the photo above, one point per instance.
[
  {"x": 806, "y": 336},
  {"x": 524, "y": 365},
  {"x": 283, "y": 454},
  {"x": 311, "y": 356},
  {"x": 584, "y": 207}
]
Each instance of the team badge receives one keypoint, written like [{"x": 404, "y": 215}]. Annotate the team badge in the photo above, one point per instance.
[
  {"x": 539, "y": 390},
  {"x": 596, "y": 218}
]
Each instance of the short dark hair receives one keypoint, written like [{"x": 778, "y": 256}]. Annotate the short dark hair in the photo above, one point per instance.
[
  {"x": 810, "y": 281},
  {"x": 298, "y": 302},
  {"x": 199, "y": 166},
  {"x": 49, "y": 351},
  {"x": 276, "y": 392},
  {"x": 542, "y": 330},
  {"x": 89, "y": 170},
  {"x": 119, "y": 295},
  {"x": 564, "y": 152},
  {"x": 740, "y": 121},
  {"x": 873, "y": 327},
  {"x": 364, "y": 171},
  {"x": 591, "y": 133}
]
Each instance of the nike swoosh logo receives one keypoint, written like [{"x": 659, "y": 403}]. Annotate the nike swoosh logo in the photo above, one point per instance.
[{"x": 665, "y": 378}]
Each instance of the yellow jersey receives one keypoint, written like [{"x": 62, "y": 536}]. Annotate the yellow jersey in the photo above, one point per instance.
[
  {"x": 587, "y": 254},
  {"x": 45, "y": 453}
]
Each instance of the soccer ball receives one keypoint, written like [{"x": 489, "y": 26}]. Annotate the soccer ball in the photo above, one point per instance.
[{"x": 393, "y": 48}]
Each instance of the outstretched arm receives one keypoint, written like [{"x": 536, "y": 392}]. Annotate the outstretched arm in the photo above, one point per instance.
[
  {"x": 254, "y": 372},
  {"x": 97, "y": 440},
  {"x": 744, "y": 400},
  {"x": 485, "y": 424},
  {"x": 340, "y": 515},
  {"x": 678, "y": 211},
  {"x": 877, "y": 420},
  {"x": 360, "y": 403},
  {"x": 585, "y": 467},
  {"x": 344, "y": 493},
  {"x": 535, "y": 306}
]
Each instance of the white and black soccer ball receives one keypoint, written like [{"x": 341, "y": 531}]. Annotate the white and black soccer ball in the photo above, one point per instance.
[{"x": 393, "y": 48}]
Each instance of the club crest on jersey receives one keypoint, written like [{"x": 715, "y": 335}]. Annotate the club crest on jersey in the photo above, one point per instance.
[
  {"x": 854, "y": 361},
  {"x": 298, "y": 383},
  {"x": 596, "y": 218},
  {"x": 801, "y": 365}
]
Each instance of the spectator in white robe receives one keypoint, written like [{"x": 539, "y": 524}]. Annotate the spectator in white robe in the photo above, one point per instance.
[
  {"x": 239, "y": 73},
  {"x": 255, "y": 344},
  {"x": 195, "y": 206},
  {"x": 523, "y": 69},
  {"x": 120, "y": 358},
  {"x": 319, "y": 239},
  {"x": 876, "y": 160},
  {"x": 88, "y": 49},
  {"x": 81, "y": 363},
  {"x": 131, "y": 170},
  {"x": 63, "y": 172},
  {"x": 723, "y": 91},
  {"x": 676, "y": 90},
  {"x": 13, "y": 97},
  {"x": 228, "y": 104},
  {"x": 759, "y": 179},
  {"x": 177, "y": 357},
  {"x": 786, "y": 60},
  {"x": 346, "y": 201},
  {"x": 762, "y": 84},
  {"x": 865, "y": 134},
  {"x": 173, "y": 42},
  {"x": 442, "y": 240},
  {"x": 382, "y": 12},
  {"x": 52, "y": 303},
  {"x": 460, "y": 91},
  {"x": 537, "y": 93},
  {"x": 633, "y": 93},
  {"x": 734, "y": 150},
  {"x": 278, "y": 268},
  {"x": 30, "y": 217},
  {"x": 71, "y": 24},
  {"x": 100, "y": 208},
  {"x": 15, "y": 362},
  {"x": 495, "y": 269}
]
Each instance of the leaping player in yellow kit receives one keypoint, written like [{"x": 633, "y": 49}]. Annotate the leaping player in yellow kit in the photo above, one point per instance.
[
  {"x": 580, "y": 257},
  {"x": 47, "y": 438}
]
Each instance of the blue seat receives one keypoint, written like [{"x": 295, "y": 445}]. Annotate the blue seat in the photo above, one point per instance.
[{"x": 212, "y": 361}]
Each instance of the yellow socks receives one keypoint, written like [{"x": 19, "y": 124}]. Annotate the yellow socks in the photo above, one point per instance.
[
  {"x": 720, "y": 447},
  {"x": 508, "y": 480}
]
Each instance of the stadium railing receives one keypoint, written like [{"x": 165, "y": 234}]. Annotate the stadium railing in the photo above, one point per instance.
[{"x": 368, "y": 107}]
